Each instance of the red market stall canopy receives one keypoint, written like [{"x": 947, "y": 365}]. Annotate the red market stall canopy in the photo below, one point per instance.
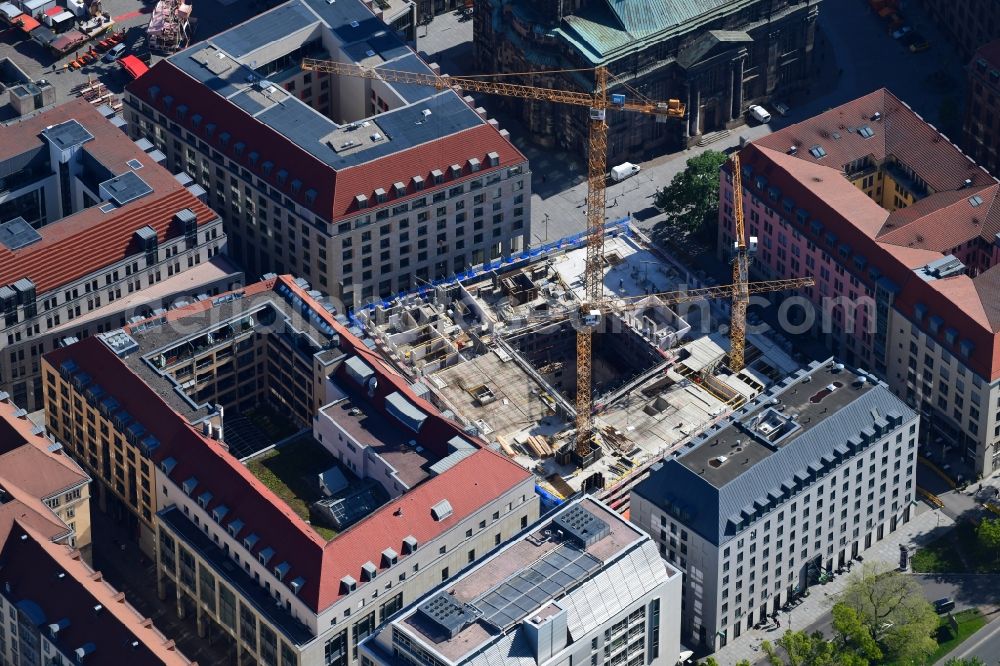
[
  {"x": 28, "y": 23},
  {"x": 68, "y": 40},
  {"x": 134, "y": 66}
]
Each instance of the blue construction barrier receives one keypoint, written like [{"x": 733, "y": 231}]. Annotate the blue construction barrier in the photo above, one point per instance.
[{"x": 547, "y": 499}]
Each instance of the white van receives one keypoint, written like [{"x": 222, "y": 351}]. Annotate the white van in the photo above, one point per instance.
[{"x": 759, "y": 113}]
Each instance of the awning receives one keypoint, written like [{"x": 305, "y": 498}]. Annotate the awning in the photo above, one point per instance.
[
  {"x": 54, "y": 11},
  {"x": 134, "y": 66},
  {"x": 28, "y": 23},
  {"x": 68, "y": 40}
]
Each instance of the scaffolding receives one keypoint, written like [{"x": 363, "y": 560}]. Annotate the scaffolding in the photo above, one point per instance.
[{"x": 169, "y": 28}]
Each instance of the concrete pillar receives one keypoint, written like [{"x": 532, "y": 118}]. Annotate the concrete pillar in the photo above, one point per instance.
[
  {"x": 687, "y": 105},
  {"x": 161, "y": 588},
  {"x": 695, "y": 111},
  {"x": 200, "y": 621},
  {"x": 731, "y": 94},
  {"x": 740, "y": 64}
]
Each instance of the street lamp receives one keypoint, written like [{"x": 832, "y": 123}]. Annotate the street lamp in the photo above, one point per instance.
[{"x": 545, "y": 221}]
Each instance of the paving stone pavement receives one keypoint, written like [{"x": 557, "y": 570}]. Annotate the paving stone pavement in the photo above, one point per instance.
[{"x": 815, "y": 609}]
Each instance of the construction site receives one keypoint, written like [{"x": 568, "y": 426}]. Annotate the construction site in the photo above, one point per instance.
[{"x": 498, "y": 351}]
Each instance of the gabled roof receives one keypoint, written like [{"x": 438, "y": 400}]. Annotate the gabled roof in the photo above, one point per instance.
[
  {"x": 32, "y": 462},
  {"x": 56, "y": 587},
  {"x": 711, "y": 43},
  {"x": 881, "y": 127}
]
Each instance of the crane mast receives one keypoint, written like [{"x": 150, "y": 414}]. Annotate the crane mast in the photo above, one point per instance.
[
  {"x": 741, "y": 264},
  {"x": 598, "y": 103}
]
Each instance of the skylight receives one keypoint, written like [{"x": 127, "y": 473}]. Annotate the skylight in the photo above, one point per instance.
[
  {"x": 817, "y": 151},
  {"x": 866, "y": 131},
  {"x": 975, "y": 200}
]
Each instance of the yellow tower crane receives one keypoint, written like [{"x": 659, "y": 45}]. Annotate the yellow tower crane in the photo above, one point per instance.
[
  {"x": 741, "y": 278},
  {"x": 598, "y": 102},
  {"x": 595, "y": 305}
]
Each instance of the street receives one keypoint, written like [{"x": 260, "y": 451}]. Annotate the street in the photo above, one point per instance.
[
  {"x": 922, "y": 80},
  {"x": 984, "y": 644}
]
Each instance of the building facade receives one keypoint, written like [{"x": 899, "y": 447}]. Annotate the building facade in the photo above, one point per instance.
[
  {"x": 87, "y": 220},
  {"x": 968, "y": 23},
  {"x": 717, "y": 60},
  {"x": 581, "y": 586},
  {"x": 363, "y": 186},
  {"x": 782, "y": 493},
  {"x": 899, "y": 229},
  {"x": 982, "y": 121},
  {"x": 35, "y": 469},
  {"x": 59, "y": 612},
  {"x": 232, "y": 558}
]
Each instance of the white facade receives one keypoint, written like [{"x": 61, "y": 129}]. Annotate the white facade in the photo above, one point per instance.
[
  {"x": 799, "y": 528},
  {"x": 625, "y": 612}
]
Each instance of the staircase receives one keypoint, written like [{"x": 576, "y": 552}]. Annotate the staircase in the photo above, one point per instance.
[{"x": 712, "y": 137}]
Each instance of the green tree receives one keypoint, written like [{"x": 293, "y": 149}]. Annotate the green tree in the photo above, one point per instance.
[
  {"x": 801, "y": 649},
  {"x": 710, "y": 661},
  {"x": 852, "y": 635},
  {"x": 988, "y": 534},
  {"x": 965, "y": 661},
  {"x": 893, "y": 610},
  {"x": 691, "y": 200}
]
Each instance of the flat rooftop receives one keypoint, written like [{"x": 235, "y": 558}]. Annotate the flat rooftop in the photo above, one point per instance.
[
  {"x": 371, "y": 428},
  {"x": 526, "y": 576},
  {"x": 781, "y": 420},
  {"x": 186, "y": 324}
]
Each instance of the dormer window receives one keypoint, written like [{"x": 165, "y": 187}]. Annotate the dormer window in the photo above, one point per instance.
[
  {"x": 380, "y": 195},
  {"x": 219, "y": 512},
  {"x": 189, "y": 485},
  {"x": 296, "y": 186},
  {"x": 418, "y": 182},
  {"x": 437, "y": 176},
  {"x": 239, "y": 147},
  {"x": 348, "y": 585},
  {"x": 297, "y": 584},
  {"x": 474, "y": 164},
  {"x": 389, "y": 557},
  {"x": 494, "y": 159},
  {"x": 399, "y": 189},
  {"x": 250, "y": 541},
  {"x": 455, "y": 170},
  {"x": 234, "y": 527},
  {"x": 410, "y": 545},
  {"x": 266, "y": 167},
  {"x": 281, "y": 570},
  {"x": 310, "y": 196},
  {"x": 167, "y": 465},
  {"x": 204, "y": 499},
  {"x": 361, "y": 201},
  {"x": 282, "y": 176},
  {"x": 368, "y": 571},
  {"x": 265, "y": 555}
]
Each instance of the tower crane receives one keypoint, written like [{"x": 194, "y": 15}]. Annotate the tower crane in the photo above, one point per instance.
[
  {"x": 594, "y": 304},
  {"x": 598, "y": 102},
  {"x": 741, "y": 269}
]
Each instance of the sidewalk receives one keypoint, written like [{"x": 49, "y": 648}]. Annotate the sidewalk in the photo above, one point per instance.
[{"x": 814, "y": 611}]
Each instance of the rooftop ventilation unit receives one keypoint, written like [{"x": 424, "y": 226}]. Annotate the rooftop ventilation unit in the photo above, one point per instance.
[
  {"x": 441, "y": 510},
  {"x": 447, "y": 614},
  {"x": 582, "y": 526}
]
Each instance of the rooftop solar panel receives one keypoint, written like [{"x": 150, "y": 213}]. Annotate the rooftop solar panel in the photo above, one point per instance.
[
  {"x": 551, "y": 576},
  {"x": 17, "y": 233}
]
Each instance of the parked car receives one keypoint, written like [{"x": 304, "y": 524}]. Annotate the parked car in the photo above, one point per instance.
[
  {"x": 944, "y": 604},
  {"x": 116, "y": 52},
  {"x": 780, "y": 108},
  {"x": 920, "y": 45},
  {"x": 901, "y": 32},
  {"x": 759, "y": 113}
]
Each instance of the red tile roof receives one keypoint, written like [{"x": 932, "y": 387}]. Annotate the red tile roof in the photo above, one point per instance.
[
  {"x": 335, "y": 189},
  {"x": 990, "y": 52},
  {"x": 468, "y": 486},
  {"x": 81, "y": 244},
  {"x": 64, "y": 588},
  {"x": 896, "y": 243}
]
